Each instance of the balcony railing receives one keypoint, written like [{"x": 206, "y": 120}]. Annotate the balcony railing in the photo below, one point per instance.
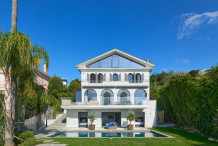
[
  {"x": 96, "y": 81},
  {"x": 120, "y": 103},
  {"x": 101, "y": 81}
]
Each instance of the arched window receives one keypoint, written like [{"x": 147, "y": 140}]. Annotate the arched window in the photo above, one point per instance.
[
  {"x": 139, "y": 96},
  {"x": 115, "y": 77},
  {"x": 92, "y": 78},
  {"x": 123, "y": 97},
  {"x": 107, "y": 97},
  {"x": 100, "y": 78},
  {"x": 130, "y": 78},
  {"x": 89, "y": 95},
  {"x": 138, "y": 78}
]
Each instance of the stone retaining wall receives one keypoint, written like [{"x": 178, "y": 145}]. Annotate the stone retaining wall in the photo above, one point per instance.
[{"x": 36, "y": 122}]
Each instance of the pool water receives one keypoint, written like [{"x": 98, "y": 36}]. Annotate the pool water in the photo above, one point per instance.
[{"x": 110, "y": 134}]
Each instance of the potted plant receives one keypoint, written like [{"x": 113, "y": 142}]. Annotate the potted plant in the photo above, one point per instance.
[
  {"x": 131, "y": 117},
  {"x": 92, "y": 119}
]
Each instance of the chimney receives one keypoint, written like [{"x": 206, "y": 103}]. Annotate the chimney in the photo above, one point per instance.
[
  {"x": 45, "y": 68},
  {"x": 148, "y": 60}
]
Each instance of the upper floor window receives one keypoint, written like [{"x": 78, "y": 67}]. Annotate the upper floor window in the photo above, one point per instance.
[
  {"x": 115, "y": 77},
  {"x": 92, "y": 78},
  {"x": 138, "y": 78},
  {"x": 100, "y": 78},
  {"x": 115, "y": 61},
  {"x": 130, "y": 78}
]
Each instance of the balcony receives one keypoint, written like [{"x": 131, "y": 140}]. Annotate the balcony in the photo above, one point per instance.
[
  {"x": 114, "y": 84},
  {"x": 68, "y": 104},
  {"x": 102, "y": 81}
]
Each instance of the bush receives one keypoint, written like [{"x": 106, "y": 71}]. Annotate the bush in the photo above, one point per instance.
[
  {"x": 29, "y": 142},
  {"x": 25, "y": 136},
  {"x": 2, "y": 142}
]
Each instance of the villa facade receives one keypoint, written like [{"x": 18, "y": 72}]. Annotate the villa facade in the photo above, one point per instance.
[{"x": 113, "y": 85}]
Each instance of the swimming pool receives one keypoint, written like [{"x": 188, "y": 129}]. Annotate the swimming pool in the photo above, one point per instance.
[{"x": 109, "y": 134}]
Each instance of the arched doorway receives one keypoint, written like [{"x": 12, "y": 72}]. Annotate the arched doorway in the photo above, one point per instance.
[
  {"x": 139, "y": 96},
  {"x": 123, "y": 97},
  {"x": 90, "y": 94},
  {"x": 107, "y": 97}
]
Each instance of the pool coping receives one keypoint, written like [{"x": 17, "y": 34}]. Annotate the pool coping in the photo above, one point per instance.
[{"x": 103, "y": 131}]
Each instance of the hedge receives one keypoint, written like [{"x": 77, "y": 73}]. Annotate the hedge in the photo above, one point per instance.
[{"x": 192, "y": 101}]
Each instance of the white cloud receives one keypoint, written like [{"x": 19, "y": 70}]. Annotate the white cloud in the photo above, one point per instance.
[
  {"x": 185, "y": 61},
  {"x": 192, "y": 21}
]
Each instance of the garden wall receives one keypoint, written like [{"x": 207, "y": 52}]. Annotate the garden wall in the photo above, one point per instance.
[{"x": 36, "y": 122}]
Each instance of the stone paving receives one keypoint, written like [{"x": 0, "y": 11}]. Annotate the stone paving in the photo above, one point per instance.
[
  {"x": 49, "y": 142},
  {"x": 51, "y": 145}
]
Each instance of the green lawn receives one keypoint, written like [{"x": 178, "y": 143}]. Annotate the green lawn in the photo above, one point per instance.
[{"x": 181, "y": 138}]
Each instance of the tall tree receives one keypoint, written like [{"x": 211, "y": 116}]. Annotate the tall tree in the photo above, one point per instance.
[
  {"x": 27, "y": 74},
  {"x": 16, "y": 54},
  {"x": 6, "y": 64},
  {"x": 14, "y": 15},
  {"x": 55, "y": 86},
  {"x": 26, "y": 80},
  {"x": 14, "y": 76}
]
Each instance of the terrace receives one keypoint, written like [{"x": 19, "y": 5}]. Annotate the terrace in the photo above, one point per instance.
[{"x": 67, "y": 103}]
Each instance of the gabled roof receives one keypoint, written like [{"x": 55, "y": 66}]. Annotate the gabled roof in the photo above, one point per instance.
[
  {"x": 112, "y": 52},
  {"x": 42, "y": 72}
]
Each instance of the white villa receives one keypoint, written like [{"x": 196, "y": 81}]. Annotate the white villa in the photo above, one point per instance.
[{"x": 113, "y": 85}]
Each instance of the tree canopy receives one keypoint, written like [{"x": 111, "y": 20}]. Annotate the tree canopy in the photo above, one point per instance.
[
  {"x": 55, "y": 85},
  {"x": 75, "y": 85}
]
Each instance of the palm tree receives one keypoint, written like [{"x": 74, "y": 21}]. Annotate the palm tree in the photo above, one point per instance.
[
  {"x": 27, "y": 76},
  {"x": 17, "y": 53},
  {"x": 26, "y": 81},
  {"x": 13, "y": 76},
  {"x": 14, "y": 15}
]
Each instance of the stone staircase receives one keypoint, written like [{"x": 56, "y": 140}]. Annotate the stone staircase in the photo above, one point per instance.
[
  {"x": 57, "y": 127},
  {"x": 59, "y": 123}
]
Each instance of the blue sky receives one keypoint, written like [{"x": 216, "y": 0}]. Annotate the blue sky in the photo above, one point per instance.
[{"x": 178, "y": 35}]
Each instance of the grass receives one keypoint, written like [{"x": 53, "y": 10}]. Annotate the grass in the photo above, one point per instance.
[{"x": 181, "y": 137}]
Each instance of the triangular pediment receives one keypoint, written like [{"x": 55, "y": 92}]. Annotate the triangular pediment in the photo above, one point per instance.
[{"x": 115, "y": 59}]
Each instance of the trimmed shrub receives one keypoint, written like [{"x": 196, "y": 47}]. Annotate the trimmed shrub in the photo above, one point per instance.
[
  {"x": 29, "y": 142},
  {"x": 25, "y": 136}
]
